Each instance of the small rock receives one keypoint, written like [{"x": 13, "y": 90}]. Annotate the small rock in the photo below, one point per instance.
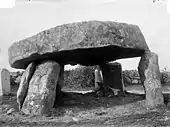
[
  {"x": 115, "y": 91},
  {"x": 110, "y": 95},
  {"x": 68, "y": 119},
  {"x": 166, "y": 118},
  {"x": 10, "y": 111},
  {"x": 75, "y": 119},
  {"x": 99, "y": 94}
]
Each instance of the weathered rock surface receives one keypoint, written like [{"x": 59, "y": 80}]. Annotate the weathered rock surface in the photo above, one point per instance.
[
  {"x": 24, "y": 84},
  {"x": 60, "y": 84},
  {"x": 68, "y": 119},
  {"x": 150, "y": 78},
  {"x": 112, "y": 76},
  {"x": 5, "y": 84},
  {"x": 86, "y": 43},
  {"x": 10, "y": 111},
  {"x": 42, "y": 89}
]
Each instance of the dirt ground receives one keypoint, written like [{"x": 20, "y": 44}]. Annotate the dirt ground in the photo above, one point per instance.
[
  {"x": 87, "y": 110},
  {"x": 140, "y": 90}
]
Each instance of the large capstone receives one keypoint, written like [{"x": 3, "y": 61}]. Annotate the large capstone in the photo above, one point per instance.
[
  {"x": 150, "y": 78},
  {"x": 86, "y": 43},
  {"x": 42, "y": 89}
]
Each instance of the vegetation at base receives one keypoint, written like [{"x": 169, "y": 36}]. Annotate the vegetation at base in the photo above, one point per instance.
[
  {"x": 165, "y": 76},
  {"x": 81, "y": 77},
  {"x": 128, "y": 76},
  {"x": 15, "y": 77}
]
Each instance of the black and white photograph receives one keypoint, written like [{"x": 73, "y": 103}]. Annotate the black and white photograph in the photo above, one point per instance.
[{"x": 84, "y": 63}]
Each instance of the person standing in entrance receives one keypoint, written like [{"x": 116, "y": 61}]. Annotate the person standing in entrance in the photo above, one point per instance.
[{"x": 98, "y": 79}]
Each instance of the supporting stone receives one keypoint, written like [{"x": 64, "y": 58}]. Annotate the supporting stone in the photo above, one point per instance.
[
  {"x": 112, "y": 75},
  {"x": 150, "y": 77},
  {"x": 42, "y": 89},
  {"x": 98, "y": 78},
  {"x": 59, "y": 86},
  {"x": 24, "y": 84},
  {"x": 5, "y": 86}
]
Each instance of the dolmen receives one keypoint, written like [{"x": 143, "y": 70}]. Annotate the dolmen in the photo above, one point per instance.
[{"x": 44, "y": 55}]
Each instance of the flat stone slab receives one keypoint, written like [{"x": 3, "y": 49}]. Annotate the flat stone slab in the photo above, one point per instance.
[
  {"x": 86, "y": 43},
  {"x": 42, "y": 89}
]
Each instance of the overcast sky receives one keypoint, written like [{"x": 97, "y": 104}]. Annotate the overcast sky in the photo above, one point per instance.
[{"x": 29, "y": 18}]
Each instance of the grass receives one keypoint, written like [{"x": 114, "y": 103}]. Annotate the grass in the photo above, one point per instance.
[
  {"x": 140, "y": 90},
  {"x": 90, "y": 111}
]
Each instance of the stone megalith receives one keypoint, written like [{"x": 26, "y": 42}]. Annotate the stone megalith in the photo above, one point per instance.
[
  {"x": 24, "y": 84},
  {"x": 112, "y": 74},
  {"x": 42, "y": 89},
  {"x": 60, "y": 84},
  {"x": 150, "y": 77},
  {"x": 5, "y": 86},
  {"x": 85, "y": 43}
]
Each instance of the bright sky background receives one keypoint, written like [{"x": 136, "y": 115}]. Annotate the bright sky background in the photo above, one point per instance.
[{"x": 29, "y": 18}]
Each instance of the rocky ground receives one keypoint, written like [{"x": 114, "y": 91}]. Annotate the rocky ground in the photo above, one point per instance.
[{"x": 87, "y": 110}]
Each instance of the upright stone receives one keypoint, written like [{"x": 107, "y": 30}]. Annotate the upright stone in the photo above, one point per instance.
[
  {"x": 112, "y": 75},
  {"x": 150, "y": 77},
  {"x": 42, "y": 89},
  {"x": 60, "y": 82},
  {"x": 98, "y": 75},
  {"x": 24, "y": 84},
  {"x": 5, "y": 87},
  {"x": 59, "y": 86}
]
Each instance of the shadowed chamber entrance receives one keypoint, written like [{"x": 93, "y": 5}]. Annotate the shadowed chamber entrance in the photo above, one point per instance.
[
  {"x": 112, "y": 74},
  {"x": 73, "y": 96},
  {"x": 87, "y": 56},
  {"x": 96, "y": 56}
]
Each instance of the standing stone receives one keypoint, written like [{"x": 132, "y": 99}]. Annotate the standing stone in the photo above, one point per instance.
[
  {"x": 42, "y": 89},
  {"x": 98, "y": 77},
  {"x": 95, "y": 77},
  {"x": 112, "y": 74},
  {"x": 24, "y": 84},
  {"x": 59, "y": 84},
  {"x": 150, "y": 77},
  {"x": 5, "y": 86}
]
